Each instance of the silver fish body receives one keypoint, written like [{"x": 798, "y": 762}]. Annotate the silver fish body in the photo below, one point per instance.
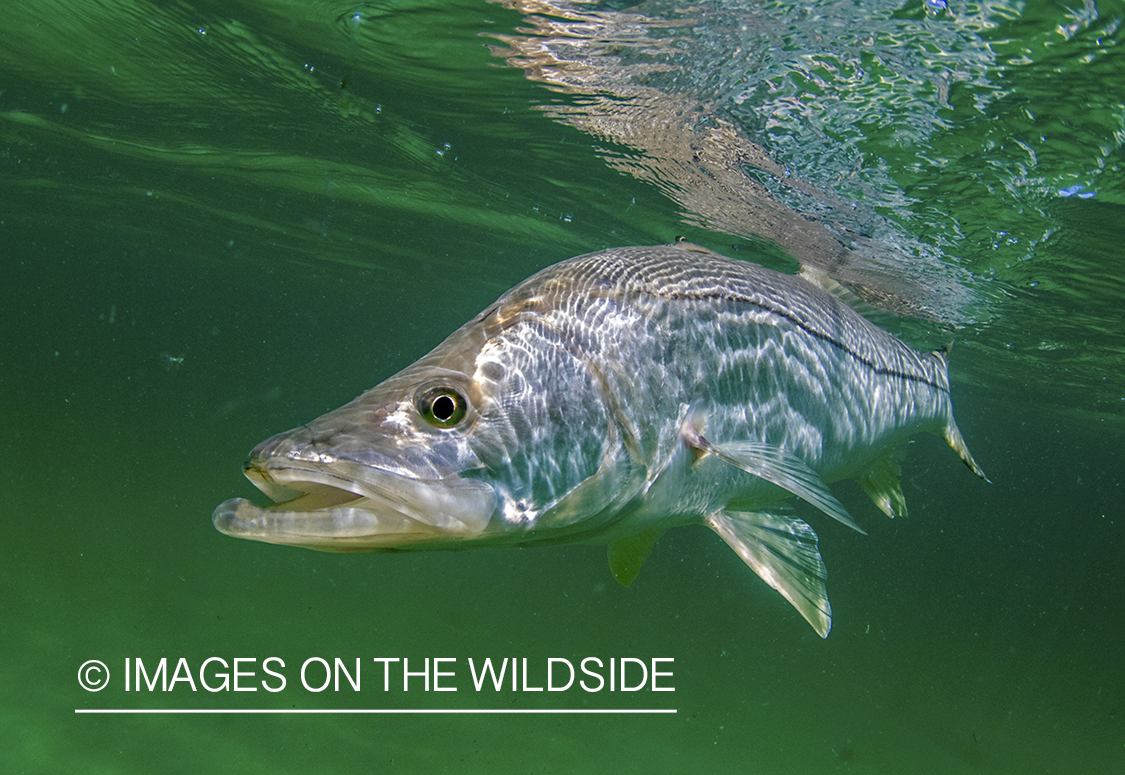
[{"x": 605, "y": 399}]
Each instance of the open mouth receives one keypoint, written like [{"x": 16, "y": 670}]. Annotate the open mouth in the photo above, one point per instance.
[
  {"x": 308, "y": 496},
  {"x": 350, "y": 507}
]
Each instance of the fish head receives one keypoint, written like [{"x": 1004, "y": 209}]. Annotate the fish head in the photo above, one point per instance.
[{"x": 498, "y": 433}]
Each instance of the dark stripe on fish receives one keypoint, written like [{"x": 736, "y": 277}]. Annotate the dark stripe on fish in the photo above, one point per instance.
[
  {"x": 628, "y": 271},
  {"x": 781, "y": 313}
]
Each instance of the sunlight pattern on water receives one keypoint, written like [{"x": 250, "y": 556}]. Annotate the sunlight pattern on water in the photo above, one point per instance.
[{"x": 221, "y": 220}]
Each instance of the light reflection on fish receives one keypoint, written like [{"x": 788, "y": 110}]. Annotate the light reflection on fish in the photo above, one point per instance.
[{"x": 608, "y": 398}]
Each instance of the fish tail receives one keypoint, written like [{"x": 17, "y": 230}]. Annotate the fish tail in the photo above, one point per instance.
[
  {"x": 954, "y": 439},
  {"x": 952, "y": 434}
]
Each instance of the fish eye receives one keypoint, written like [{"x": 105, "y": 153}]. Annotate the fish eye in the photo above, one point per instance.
[{"x": 443, "y": 407}]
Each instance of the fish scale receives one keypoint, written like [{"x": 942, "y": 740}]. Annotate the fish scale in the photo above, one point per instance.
[{"x": 606, "y": 399}]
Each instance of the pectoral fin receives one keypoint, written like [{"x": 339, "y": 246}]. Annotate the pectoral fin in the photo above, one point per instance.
[
  {"x": 779, "y": 467},
  {"x": 783, "y": 552},
  {"x": 628, "y": 555}
]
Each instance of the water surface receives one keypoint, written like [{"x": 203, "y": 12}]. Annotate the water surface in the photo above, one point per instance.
[{"x": 220, "y": 220}]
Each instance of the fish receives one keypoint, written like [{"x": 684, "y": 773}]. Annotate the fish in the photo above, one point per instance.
[
  {"x": 606, "y": 399},
  {"x": 665, "y": 94}
]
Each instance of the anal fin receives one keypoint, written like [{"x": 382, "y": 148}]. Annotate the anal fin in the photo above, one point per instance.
[
  {"x": 628, "y": 555},
  {"x": 882, "y": 481},
  {"x": 784, "y": 553}
]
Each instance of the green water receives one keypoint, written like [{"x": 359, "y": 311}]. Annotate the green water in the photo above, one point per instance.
[{"x": 219, "y": 220}]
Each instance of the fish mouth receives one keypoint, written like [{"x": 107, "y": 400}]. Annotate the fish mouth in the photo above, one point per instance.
[{"x": 351, "y": 507}]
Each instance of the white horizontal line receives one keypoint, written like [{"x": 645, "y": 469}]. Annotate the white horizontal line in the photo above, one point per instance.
[{"x": 374, "y": 710}]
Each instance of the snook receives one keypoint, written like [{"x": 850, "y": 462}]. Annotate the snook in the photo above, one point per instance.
[{"x": 605, "y": 399}]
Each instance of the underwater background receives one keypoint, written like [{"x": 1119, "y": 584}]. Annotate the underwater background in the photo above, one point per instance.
[{"x": 219, "y": 220}]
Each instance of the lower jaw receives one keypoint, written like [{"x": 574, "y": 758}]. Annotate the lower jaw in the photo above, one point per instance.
[{"x": 341, "y": 528}]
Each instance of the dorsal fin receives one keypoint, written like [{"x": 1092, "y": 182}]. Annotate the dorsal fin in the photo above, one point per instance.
[{"x": 881, "y": 316}]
